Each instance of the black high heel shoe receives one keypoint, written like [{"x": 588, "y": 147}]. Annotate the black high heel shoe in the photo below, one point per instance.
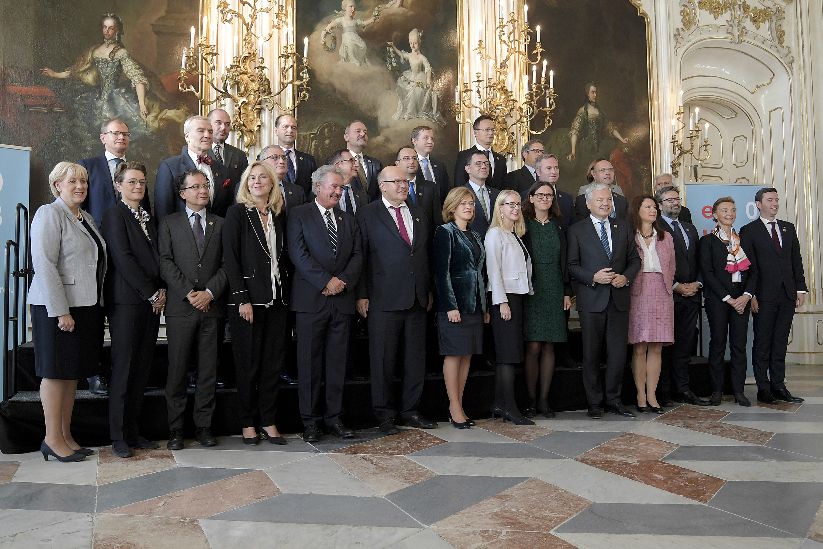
[
  {"x": 506, "y": 415},
  {"x": 251, "y": 441},
  {"x": 459, "y": 425},
  {"x": 46, "y": 451},
  {"x": 543, "y": 408}
]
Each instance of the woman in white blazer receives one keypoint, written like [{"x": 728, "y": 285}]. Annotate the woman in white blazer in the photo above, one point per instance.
[
  {"x": 509, "y": 270},
  {"x": 69, "y": 259}
]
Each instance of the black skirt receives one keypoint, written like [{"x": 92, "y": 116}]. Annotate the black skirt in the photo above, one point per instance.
[
  {"x": 460, "y": 338},
  {"x": 508, "y": 334},
  {"x": 67, "y": 355}
]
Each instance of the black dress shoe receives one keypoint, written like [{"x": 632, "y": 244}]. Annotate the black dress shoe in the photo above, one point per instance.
[
  {"x": 98, "y": 386},
  {"x": 388, "y": 427},
  {"x": 543, "y": 408},
  {"x": 716, "y": 399},
  {"x": 508, "y": 415},
  {"x": 175, "y": 440},
  {"x": 250, "y": 441},
  {"x": 619, "y": 409},
  {"x": 742, "y": 399},
  {"x": 204, "y": 437},
  {"x": 286, "y": 378},
  {"x": 664, "y": 401},
  {"x": 766, "y": 397},
  {"x": 690, "y": 398},
  {"x": 459, "y": 425},
  {"x": 416, "y": 420},
  {"x": 656, "y": 409},
  {"x": 642, "y": 409},
  {"x": 786, "y": 396},
  {"x": 120, "y": 449},
  {"x": 311, "y": 434},
  {"x": 595, "y": 412},
  {"x": 143, "y": 444},
  {"x": 530, "y": 411},
  {"x": 278, "y": 440},
  {"x": 339, "y": 430}
]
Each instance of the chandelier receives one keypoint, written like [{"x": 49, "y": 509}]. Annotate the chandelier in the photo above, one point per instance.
[
  {"x": 688, "y": 142},
  {"x": 244, "y": 80},
  {"x": 508, "y": 62}
]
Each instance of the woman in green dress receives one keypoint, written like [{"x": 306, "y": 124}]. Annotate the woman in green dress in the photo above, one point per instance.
[{"x": 545, "y": 310}]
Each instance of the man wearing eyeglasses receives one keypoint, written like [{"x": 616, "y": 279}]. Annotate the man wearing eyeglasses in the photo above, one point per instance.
[
  {"x": 394, "y": 295},
  {"x": 421, "y": 192},
  {"x": 293, "y": 195},
  {"x": 477, "y": 169},
  {"x": 422, "y": 139},
  {"x": 299, "y": 165},
  {"x": 483, "y": 140},
  {"x": 114, "y": 134},
  {"x": 234, "y": 159},
  {"x": 356, "y": 135},
  {"x": 601, "y": 172},
  {"x": 521, "y": 180},
  {"x": 352, "y": 198},
  {"x": 667, "y": 180}
]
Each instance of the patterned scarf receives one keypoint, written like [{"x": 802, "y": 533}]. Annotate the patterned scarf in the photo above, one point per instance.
[
  {"x": 736, "y": 260},
  {"x": 142, "y": 217}
]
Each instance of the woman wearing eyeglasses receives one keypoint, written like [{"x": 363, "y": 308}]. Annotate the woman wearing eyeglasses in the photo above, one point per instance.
[
  {"x": 509, "y": 269},
  {"x": 545, "y": 320}
]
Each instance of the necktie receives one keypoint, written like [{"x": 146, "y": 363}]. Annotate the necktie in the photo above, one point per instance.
[
  {"x": 348, "y": 205},
  {"x": 775, "y": 237},
  {"x": 204, "y": 159},
  {"x": 412, "y": 192},
  {"x": 491, "y": 162},
  {"x": 361, "y": 173},
  {"x": 199, "y": 235},
  {"x": 291, "y": 175},
  {"x": 332, "y": 232},
  {"x": 283, "y": 192},
  {"x": 680, "y": 232},
  {"x": 115, "y": 162},
  {"x": 427, "y": 170},
  {"x": 217, "y": 155},
  {"x": 604, "y": 239},
  {"x": 401, "y": 225},
  {"x": 483, "y": 202}
]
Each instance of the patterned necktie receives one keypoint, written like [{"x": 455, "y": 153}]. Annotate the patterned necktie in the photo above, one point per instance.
[
  {"x": 199, "y": 235},
  {"x": 412, "y": 192},
  {"x": 116, "y": 162},
  {"x": 679, "y": 231},
  {"x": 427, "y": 170},
  {"x": 291, "y": 174},
  {"x": 347, "y": 201},
  {"x": 332, "y": 233},
  {"x": 361, "y": 173},
  {"x": 217, "y": 155},
  {"x": 204, "y": 159},
  {"x": 401, "y": 225},
  {"x": 483, "y": 202},
  {"x": 775, "y": 237},
  {"x": 604, "y": 239},
  {"x": 283, "y": 192}
]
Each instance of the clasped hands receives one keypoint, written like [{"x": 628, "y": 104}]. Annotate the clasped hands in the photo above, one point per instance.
[
  {"x": 739, "y": 303},
  {"x": 334, "y": 286},
  {"x": 200, "y": 300},
  {"x": 687, "y": 289},
  {"x": 608, "y": 276},
  {"x": 158, "y": 306}
]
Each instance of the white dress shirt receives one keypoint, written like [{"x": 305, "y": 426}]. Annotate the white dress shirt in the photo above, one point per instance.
[{"x": 407, "y": 218}]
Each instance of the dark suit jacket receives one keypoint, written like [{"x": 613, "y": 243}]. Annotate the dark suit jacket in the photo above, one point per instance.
[
  {"x": 779, "y": 273},
  {"x": 458, "y": 279},
  {"x": 246, "y": 258},
  {"x": 535, "y": 255},
  {"x": 717, "y": 282},
  {"x": 519, "y": 180},
  {"x": 566, "y": 204},
  {"x": 185, "y": 270},
  {"x": 428, "y": 201},
  {"x": 479, "y": 224},
  {"x": 359, "y": 196},
  {"x": 294, "y": 195},
  {"x": 686, "y": 259},
  {"x": 442, "y": 183},
  {"x": 685, "y": 214},
  {"x": 314, "y": 263},
  {"x": 586, "y": 256},
  {"x": 396, "y": 274},
  {"x": 133, "y": 273},
  {"x": 496, "y": 178},
  {"x": 235, "y": 162},
  {"x": 621, "y": 206},
  {"x": 101, "y": 195},
  {"x": 306, "y": 165},
  {"x": 370, "y": 186},
  {"x": 166, "y": 198}
]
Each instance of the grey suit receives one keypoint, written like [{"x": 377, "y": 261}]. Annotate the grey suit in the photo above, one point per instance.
[
  {"x": 185, "y": 270},
  {"x": 64, "y": 256}
]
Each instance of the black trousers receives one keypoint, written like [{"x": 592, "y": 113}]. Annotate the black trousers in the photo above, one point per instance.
[
  {"x": 611, "y": 326},
  {"x": 322, "y": 338},
  {"x": 394, "y": 334},
  {"x": 724, "y": 322},
  {"x": 257, "y": 361},
  {"x": 186, "y": 334},
  {"x": 133, "y": 330},
  {"x": 674, "y": 375},
  {"x": 772, "y": 325}
]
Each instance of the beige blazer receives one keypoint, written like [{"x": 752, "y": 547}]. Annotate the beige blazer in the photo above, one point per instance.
[
  {"x": 507, "y": 268},
  {"x": 64, "y": 257}
]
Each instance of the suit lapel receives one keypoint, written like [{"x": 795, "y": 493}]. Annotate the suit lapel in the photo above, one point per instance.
[
  {"x": 593, "y": 234},
  {"x": 257, "y": 228},
  {"x": 133, "y": 221},
  {"x": 209, "y": 231},
  {"x": 386, "y": 218}
]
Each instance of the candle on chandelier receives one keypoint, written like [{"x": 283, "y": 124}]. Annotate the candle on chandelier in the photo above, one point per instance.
[
  {"x": 551, "y": 79},
  {"x": 305, "y": 47},
  {"x": 534, "y": 75},
  {"x": 697, "y": 115},
  {"x": 526, "y": 13},
  {"x": 543, "y": 76},
  {"x": 680, "y": 100},
  {"x": 706, "y": 131},
  {"x": 260, "y": 50},
  {"x": 538, "y": 33},
  {"x": 183, "y": 62},
  {"x": 205, "y": 26},
  {"x": 191, "y": 41},
  {"x": 457, "y": 94},
  {"x": 691, "y": 121}
]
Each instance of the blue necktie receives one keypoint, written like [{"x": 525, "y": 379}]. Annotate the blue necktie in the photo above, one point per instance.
[
  {"x": 681, "y": 232},
  {"x": 412, "y": 193},
  {"x": 604, "y": 239},
  {"x": 427, "y": 171},
  {"x": 347, "y": 202},
  {"x": 291, "y": 174}
]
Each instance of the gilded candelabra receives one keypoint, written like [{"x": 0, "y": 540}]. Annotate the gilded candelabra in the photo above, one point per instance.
[
  {"x": 688, "y": 141},
  {"x": 496, "y": 95},
  {"x": 244, "y": 81}
]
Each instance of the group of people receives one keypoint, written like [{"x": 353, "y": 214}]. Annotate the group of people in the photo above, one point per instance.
[{"x": 281, "y": 242}]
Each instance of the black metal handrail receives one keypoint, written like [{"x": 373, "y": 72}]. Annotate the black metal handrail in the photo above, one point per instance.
[{"x": 14, "y": 316}]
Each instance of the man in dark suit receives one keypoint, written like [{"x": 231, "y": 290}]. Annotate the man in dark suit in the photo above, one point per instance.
[
  {"x": 357, "y": 137},
  {"x": 772, "y": 247},
  {"x": 483, "y": 139},
  {"x": 601, "y": 172},
  {"x": 548, "y": 171},
  {"x": 293, "y": 194},
  {"x": 191, "y": 263},
  {"x": 352, "y": 198},
  {"x": 299, "y": 165},
  {"x": 603, "y": 260},
  {"x": 422, "y": 138},
  {"x": 477, "y": 169},
  {"x": 422, "y": 193},
  {"x": 521, "y": 180},
  {"x": 674, "y": 377},
  {"x": 324, "y": 246},
  {"x": 393, "y": 296},
  {"x": 667, "y": 180},
  {"x": 196, "y": 155},
  {"x": 234, "y": 159}
]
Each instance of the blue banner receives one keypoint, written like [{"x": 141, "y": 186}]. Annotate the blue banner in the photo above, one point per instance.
[{"x": 700, "y": 197}]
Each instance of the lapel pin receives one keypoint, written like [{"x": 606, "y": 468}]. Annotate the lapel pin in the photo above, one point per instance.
[
  {"x": 340, "y": 218},
  {"x": 211, "y": 223}
]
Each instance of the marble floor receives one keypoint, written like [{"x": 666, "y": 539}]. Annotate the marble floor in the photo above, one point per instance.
[{"x": 694, "y": 477}]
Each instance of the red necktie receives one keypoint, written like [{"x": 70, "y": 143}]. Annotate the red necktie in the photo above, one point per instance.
[
  {"x": 775, "y": 238},
  {"x": 204, "y": 159},
  {"x": 401, "y": 225}
]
